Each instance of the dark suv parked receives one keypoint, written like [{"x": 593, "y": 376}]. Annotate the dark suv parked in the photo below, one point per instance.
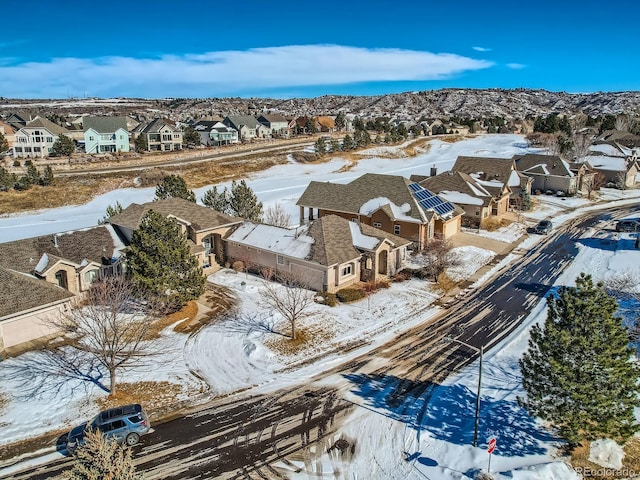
[
  {"x": 123, "y": 424},
  {"x": 628, "y": 226}
]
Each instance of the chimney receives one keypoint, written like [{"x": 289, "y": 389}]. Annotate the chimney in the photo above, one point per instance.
[
  {"x": 433, "y": 171},
  {"x": 55, "y": 241}
]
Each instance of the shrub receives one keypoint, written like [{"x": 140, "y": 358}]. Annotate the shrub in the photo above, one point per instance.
[
  {"x": 374, "y": 286},
  {"x": 326, "y": 298},
  {"x": 16, "y": 163},
  {"x": 347, "y": 295},
  {"x": 238, "y": 266},
  {"x": 401, "y": 276}
]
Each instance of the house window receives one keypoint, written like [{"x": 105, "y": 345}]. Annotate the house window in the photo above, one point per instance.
[
  {"x": 347, "y": 270},
  {"x": 396, "y": 229},
  {"x": 36, "y": 149},
  {"x": 280, "y": 260},
  {"x": 477, "y": 213},
  {"x": 18, "y": 149},
  {"x": 49, "y": 139},
  {"x": 377, "y": 224},
  {"x": 91, "y": 139},
  {"x": 89, "y": 276},
  {"x": 368, "y": 264}
]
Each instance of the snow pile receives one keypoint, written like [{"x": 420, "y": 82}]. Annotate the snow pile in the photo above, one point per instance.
[{"x": 606, "y": 453}]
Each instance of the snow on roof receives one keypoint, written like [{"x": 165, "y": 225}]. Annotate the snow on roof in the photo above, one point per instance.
[
  {"x": 360, "y": 240},
  {"x": 460, "y": 197},
  {"x": 486, "y": 183},
  {"x": 514, "y": 179},
  {"x": 276, "y": 239},
  {"x": 606, "y": 149},
  {"x": 42, "y": 263},
  {"x": 602, "y": 162},
  {"x": 399, "y": 212}
]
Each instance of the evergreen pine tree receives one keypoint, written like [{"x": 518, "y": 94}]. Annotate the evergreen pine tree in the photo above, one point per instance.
[
  {"x": 244, "y": 203},
  {"x": 111, "y": 211},
  {"x": 140, "y": 143},
  {"x": 33, "y": 174},
  {"x": 63, "y": 147},
  {"x": 191, "y": 137},
  {"x": 7, "y": 180},
  {"x": 321, "y": 146},
  {"x": 347, "y": 143},
  {"x": 340, "y": 121},
  {"x": 174, "y": 186},
  {"x": 160, "y": 263},
  {"x": 217, "y": 200},
  {"x": 47, "y": 176},
  {"x": 334, "y": 145},
  {"x": 4, "y": 144},
  {"x": 102, "y": 458},
  {"x": 577, "y": 371}
]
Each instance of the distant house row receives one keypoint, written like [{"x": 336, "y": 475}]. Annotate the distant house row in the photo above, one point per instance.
[{"x": 33, "y": 136}]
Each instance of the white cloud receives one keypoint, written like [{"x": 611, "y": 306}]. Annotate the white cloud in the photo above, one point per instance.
[
  {"x": 481, "y": 49},
  {"x": 516, "y": 66},
  {"x": 229, "y": 72}
]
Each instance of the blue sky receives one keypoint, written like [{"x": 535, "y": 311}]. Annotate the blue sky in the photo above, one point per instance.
[{"x": 306, "y": 49}]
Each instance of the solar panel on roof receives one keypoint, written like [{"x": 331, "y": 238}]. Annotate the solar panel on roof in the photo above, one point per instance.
[
  {"x": 415, "y": 187},
  {"x": 444, "y": 208}
]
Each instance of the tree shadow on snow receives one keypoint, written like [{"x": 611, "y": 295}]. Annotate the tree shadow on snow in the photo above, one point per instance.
[
  {"x": 616, "y": 242},
  {"x": 448, "y": 413}
]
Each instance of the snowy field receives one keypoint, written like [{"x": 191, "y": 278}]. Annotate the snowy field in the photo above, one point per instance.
[{"x": 223, "y": 358}]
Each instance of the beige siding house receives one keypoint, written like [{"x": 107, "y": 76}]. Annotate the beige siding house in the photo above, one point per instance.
[
  {"x": 204, "y": 227},
  {"x": 548, "y": 172},
  {"x": 391, "y": 203},
  {"x": 328, "y": 254}
]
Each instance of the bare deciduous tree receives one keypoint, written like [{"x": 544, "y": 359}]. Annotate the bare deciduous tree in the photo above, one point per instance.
[
  {"x": 621, "y": 180},
  {"x": 439, "y": 257},
  {"x": 111, "y": 326},
  {"x": 277, "y": 216},
  {"x": 581, "y": 144},
  {"x": 623, "y": 123},
  {"x": 591, "y": 183},
  {"x": 289, "y": 297}
]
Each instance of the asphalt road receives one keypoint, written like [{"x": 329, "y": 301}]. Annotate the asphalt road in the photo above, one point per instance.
[{"x": 252, "y": 437}]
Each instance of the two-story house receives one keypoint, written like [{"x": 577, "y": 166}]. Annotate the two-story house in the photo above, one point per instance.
[
  {"x": 276, "y": 123},
  {"x": 162, "y": 135},
  {"x": 214, "y": 133},
  {"x": 36, "y": 138},
  {"x": 391, "y": 203},
  {"x": 247, "y": 126},
  {"x": 105, "y": 134}
]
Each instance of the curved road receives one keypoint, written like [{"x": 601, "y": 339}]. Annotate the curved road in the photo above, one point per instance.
[{"x": 253, "y": 437}]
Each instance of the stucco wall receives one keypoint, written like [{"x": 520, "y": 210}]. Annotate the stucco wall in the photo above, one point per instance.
[{"x": 31, "y": 326}]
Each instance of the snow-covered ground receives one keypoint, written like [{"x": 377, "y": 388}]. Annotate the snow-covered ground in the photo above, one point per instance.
[{"x": 228, "y": 357}]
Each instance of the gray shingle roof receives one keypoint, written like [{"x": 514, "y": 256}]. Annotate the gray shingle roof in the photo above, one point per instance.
[
  {"x": 201, "y": 218},
  {"x": 333, "y": 243},
  {"x": 351, "y": 197},
  {"x": 49, "y": 125},
  {"x": 154, "y": 126},
  {"x": 92, "y": 244},
  {"x": 533, "y": 163},
  {"x": 26, "y": 292},
  {"x": 487, "y": 168},
  {"x": 104, "y": 124},
  {"x": 237, "y": 121}
]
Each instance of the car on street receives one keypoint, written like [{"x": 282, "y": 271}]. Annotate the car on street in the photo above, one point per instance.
[
  {"x": 543, "y": 227},
  {"x": 125, "y": 424},
  {"x": 628, "y": 226}
]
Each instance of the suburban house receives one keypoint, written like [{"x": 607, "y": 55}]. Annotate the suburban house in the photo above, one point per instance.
[
  {"x": 204, "y": 227},
  {"x": 162, "y": 135},
  {"x": 327, "y": 254},
  {"x": 9, "y": 133},
  {"x": 618, "y": 171},
  {"x": 499, "y": 177},
  {"x": 391, "y": 203},
  {"x": 215, "y": 133},
  {"x": 247, "y": 126},
  {"x": 549, "y": 172},
  {"x": 36, "y": 138},
  {"x": 586, "y": 175},
  {"x": 277, "y": 125},
  {"x": 42, "y": 277},
  {"x": 327, "y": 124},
  {"x": 17, "y": 120},
  {"x": 105, "y": 134},
  {"x": 462, "y": 190}
]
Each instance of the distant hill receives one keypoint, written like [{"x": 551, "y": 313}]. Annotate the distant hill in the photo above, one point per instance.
[{"x": 514, "y": 103}]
